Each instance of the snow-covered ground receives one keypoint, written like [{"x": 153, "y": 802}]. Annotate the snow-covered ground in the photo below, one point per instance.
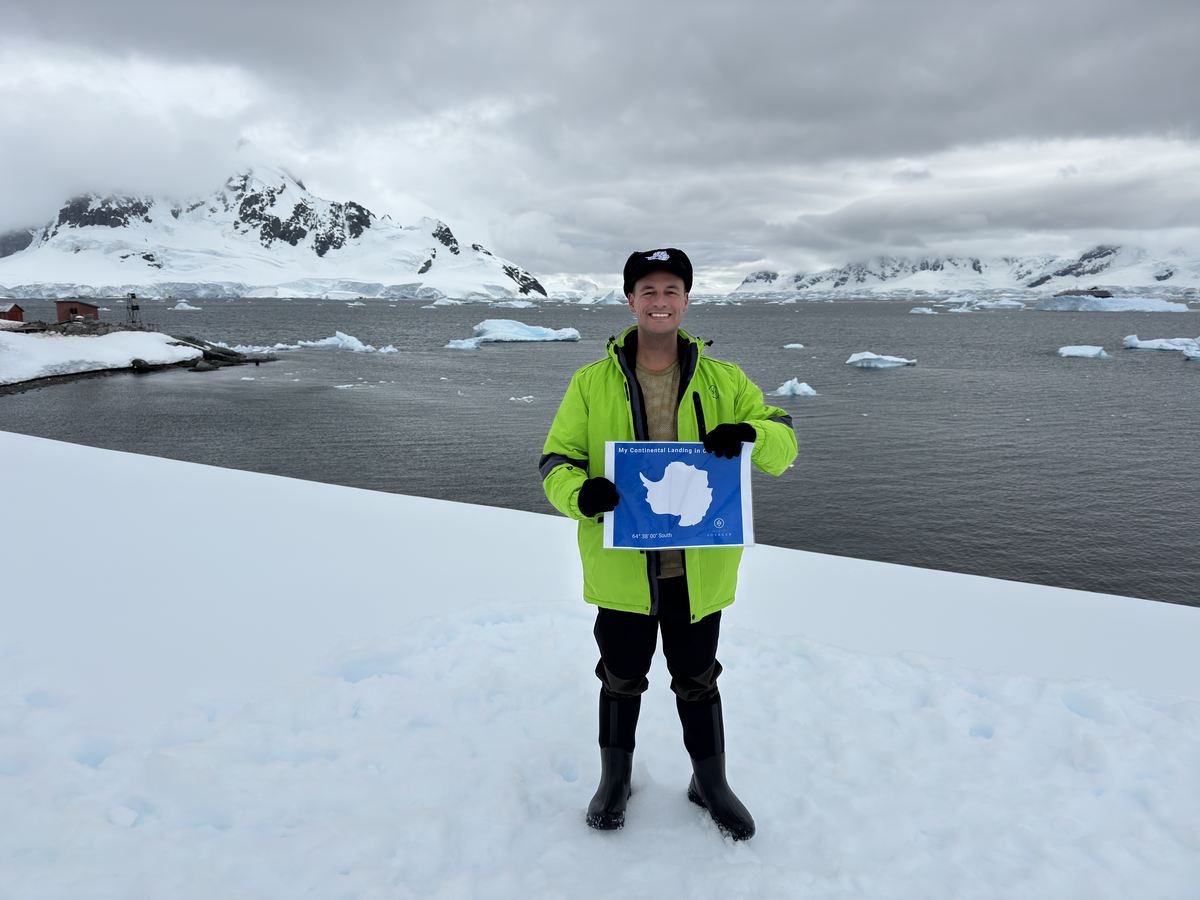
[
  {"x": 343, "y": 693},
  {"x": 27, "y": 356}
]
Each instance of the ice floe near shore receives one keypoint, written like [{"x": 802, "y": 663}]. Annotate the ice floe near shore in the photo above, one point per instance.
[
  {"x": 922, "y": 311},
  {"x": 868, "y": 360},
  {"x": 794, "y": 388},
  {"x": 1109, "y": 304},
  {"x": 1085, "y": 351},
  {"x": 511, "y": 331},
  {"x": 339, "y": 340}
]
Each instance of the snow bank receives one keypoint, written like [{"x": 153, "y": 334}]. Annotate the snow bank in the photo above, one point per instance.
[
  {"x": 794, "y": 388},
  {"x": 1109, "y": 304},
  {"x": 1083, "y": 350},
  {"x": 27, "y": 356},
  {"x": 314, "y": 731},
  {"x": 868, "y": 360},
  {"x": 511, "y": 331}
]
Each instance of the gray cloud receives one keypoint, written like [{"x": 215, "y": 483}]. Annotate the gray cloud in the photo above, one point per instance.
[{"x": 567, "y": 134}]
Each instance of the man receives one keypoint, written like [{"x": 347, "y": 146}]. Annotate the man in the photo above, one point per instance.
[{"x": 657, "y": 384}]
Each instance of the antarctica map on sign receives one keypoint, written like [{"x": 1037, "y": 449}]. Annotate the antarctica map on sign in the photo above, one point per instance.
[{"x": 675, "y": 494}]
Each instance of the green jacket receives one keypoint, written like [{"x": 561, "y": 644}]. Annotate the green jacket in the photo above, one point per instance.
[{"x": 604, "y": 403}]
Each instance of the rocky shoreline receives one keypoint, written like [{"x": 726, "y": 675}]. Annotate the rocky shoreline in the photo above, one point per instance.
[{"x": 212, "y": 357}]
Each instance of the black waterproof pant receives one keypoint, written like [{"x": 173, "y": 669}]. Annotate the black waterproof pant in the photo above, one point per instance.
[{"x": 627, "y": 642}]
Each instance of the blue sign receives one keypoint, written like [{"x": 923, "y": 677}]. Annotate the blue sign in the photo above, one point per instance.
[{"x": 677, "y": 495}]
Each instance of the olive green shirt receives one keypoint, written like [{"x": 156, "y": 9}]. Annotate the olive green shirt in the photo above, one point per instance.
[{"x": 660, "y": 390}]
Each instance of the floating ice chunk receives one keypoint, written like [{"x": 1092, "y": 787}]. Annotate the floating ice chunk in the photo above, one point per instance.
[
  {"x": 1083, "y": 350},
  {"x": 253, "y": 348},
  {"x": 340, "y": 341},
  {"x": 511, "y": 331},
  {"x": 1132, "y": 343},
  {"x": 793, "y": 346},
  {"x": 1109, "y": 304},
  {"x": 999, "y": 304},
  {"x": 356, "y": 303},
  {"x": 867, "y": 360},
  {"x": 922, "y": 311},
  {"x": 1191, "y": 354},
  {"x": 794, "y": 388},
  {"x": 183, "y": 305},
  {"x": 528, "y": 398},
  {"x": 516, "y": 304}
]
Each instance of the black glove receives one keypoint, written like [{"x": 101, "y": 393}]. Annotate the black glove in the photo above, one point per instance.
[
  {"x": 726, "y": 440},
  {"x": 598, "y": 495}
]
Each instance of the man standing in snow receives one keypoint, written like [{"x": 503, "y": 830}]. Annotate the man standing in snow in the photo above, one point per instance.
[{"x": 656, "y": 384}]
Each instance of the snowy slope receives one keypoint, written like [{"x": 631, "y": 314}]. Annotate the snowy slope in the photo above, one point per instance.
[
  {"x": 262, "y": 229},
  {"x": 316, "y": 699},
  {"x": 1104, "y": 265}
]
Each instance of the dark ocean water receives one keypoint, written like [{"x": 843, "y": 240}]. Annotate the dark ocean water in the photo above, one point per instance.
[{"x": 991, "y": 456}]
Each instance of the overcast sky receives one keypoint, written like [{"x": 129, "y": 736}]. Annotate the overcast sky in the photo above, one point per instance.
[{"x": 785, "y": 135}]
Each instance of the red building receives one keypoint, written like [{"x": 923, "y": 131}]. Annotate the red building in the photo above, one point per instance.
[
  {"x": 69, "y": 309},
  {"x": 11, "y": 312}
]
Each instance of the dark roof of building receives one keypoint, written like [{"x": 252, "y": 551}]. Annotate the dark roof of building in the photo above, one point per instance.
[{"x": 77, "y": 303}]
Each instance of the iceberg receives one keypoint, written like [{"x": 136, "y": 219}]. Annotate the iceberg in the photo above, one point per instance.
[
  {"x": 867, "y": 360},
  {"x": 1131, "y": 342},
  {"x": 793, "y": 346},
  {"x": 1191, "y": 354},
  {"x": 516, "y": 304},
  {"x": 184, "y": 305},
  {"x": 1109, "y": 304},
  {"x": 794, "y": 388},
  {"x": 339, "y": 341},
  {"x": 922, "y": 311},
  {"x": 1082, "y": 350},
  {"x": 511, "y": 331}
]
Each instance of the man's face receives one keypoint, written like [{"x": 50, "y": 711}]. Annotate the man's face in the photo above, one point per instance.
[{"x": 658, "y": 302}]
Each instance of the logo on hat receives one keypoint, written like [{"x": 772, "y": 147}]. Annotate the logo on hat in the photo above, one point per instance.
[{"x": 659, "y": 256}]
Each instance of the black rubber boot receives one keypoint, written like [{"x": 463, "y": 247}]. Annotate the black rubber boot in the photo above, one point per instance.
[
  {"x": 618, "y": 724},
  {"x": 704, "y": 736},
  {"x": 607, "y": 809},
  {"x": 709, "y": 789}
]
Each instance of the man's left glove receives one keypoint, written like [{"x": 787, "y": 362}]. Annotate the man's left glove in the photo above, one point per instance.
[{"x": 726, "y": 440}]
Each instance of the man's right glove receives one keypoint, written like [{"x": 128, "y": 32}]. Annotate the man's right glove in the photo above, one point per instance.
[{"x": 598, "y": 495}]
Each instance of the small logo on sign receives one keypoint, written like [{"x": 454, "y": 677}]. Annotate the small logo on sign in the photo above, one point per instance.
[
  {"x": 658, "y": 256},
  {"x": 718, "y": 523}
]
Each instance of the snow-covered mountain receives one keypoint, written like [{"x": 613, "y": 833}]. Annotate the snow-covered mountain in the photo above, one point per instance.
[
  {"x": 262, "y": 233},
  {"x": 1106, "y": 265}
]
